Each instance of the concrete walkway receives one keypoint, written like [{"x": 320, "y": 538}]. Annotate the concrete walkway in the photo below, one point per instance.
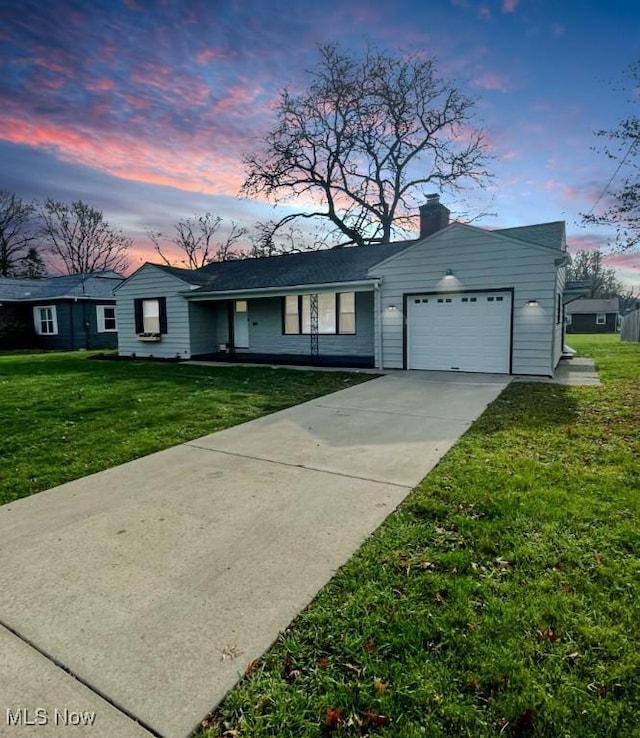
[{"x": 141, "y": 593}]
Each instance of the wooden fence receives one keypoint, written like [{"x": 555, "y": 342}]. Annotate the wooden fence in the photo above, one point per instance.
[{"x": 630, "y": 327}]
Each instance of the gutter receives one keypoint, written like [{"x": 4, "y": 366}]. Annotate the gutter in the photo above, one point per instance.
[{"x": 353, "y": 286}]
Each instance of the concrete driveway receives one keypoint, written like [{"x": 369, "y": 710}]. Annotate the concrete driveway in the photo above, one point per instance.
[{"x": 141, "y": 593}]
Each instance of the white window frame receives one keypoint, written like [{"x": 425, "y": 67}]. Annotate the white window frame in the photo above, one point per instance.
[
  {"x": 42, "y": 325},
  {"x": 601, "y": 318},
  {"x": 332, "y": 315},
  {"x": 151, "y": 318},
  {"x": 102, "y": 319}
]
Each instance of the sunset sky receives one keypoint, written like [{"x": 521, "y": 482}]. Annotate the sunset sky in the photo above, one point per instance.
[{"x": 145, "y": 108}]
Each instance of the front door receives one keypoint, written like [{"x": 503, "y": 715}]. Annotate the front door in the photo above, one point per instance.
[{"x": 240, "y": 324}]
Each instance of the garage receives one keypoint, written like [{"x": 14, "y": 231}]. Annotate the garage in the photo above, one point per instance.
[{"x": 467, "y": 332}]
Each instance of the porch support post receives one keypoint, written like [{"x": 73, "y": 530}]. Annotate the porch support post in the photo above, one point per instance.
[
  {"x": 377, "y": 327},
  {"x": 313, "y": 328}
]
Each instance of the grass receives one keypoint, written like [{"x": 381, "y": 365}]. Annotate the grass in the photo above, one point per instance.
[
  {"x": 65, "y": 415},
  {"x": 500, "y": 599}
]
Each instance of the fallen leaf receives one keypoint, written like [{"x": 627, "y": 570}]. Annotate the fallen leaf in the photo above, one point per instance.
[
  {"x": 370, "y": 646},
  {"x": 377, "y": 719},
  {"x": 333, "y": 718},
  {"x": 439, "y": 599},
  {"x": 353, "y": 668},
  {"x": 474, "y": 683},
  {"x": 547, "y": 635},
  {"x": 230, "y": 652},
  {"x": 379, "y": 686},
  {"x": 573, "y": 656},
  {"x": 324, "y": 662},
  {"x": 251, "y": 667}
]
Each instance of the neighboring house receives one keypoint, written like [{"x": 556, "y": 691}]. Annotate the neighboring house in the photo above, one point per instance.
[
  {"x": 593, "y": 316},
  {"x": 74, "y": 311},
  {"x": 458, "y": 298}
]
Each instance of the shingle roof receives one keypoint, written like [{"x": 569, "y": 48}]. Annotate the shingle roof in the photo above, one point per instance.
[
  {"x": 544, "y": 234},
  {"x": 594, "y": 306},
  {"x": 314, "y": 267},
  {"x": 328, "y": 266},
  {"x": 95, "y": 286}
]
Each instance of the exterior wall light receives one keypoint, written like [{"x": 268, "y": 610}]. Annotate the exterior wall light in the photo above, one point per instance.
[
  {"x": 532, "y": 303},
  {"x": 392, "y": 308},
  {"x": 449, "y": 273}
]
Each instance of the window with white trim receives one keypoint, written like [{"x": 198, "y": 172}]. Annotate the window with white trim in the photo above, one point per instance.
[
  {"x": 601, "y": 319},
  {"x": 151, "y": 316},
  {"x": 106, "y": 316},
  {"x": 45, "y": 319},
  {"x": 336, "y": 313}
]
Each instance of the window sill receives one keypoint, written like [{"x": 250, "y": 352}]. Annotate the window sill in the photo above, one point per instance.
[{"x": 149, "y": 337}]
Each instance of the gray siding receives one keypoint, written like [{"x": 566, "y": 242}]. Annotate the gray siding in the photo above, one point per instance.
[
  {"x": 266, "y": 336},
  {"x": 558, "y": 335},
  {"x": 479, "y": 260},
  {"x": 203, "y": 326},
  {"x": 151, "y": 282}
]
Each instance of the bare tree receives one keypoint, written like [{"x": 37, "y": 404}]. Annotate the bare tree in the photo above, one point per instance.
[
  {"x": 195, "y": 238},
  {"x": 31, "y": 265},
  {"x": 588, "y": 266},
  {"x": 17, "y": 231},
  {"x": 365, "y": 141},
  {"x": 623, "y": 212},
  {"x": 271, "y": 238},
  {"x": 79, "y": 236}
]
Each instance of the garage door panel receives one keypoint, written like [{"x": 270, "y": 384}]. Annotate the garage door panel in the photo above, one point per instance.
[{"x": 468, "y": 332}]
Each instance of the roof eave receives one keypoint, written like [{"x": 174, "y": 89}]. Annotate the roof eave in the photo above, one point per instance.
[{"x": 361, "y": 285}]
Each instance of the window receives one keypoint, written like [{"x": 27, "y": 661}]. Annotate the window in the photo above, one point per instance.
[
  {"x": 558, "y": 309},
  {"x": 336, "y": 313},
  {"x": 106, "y": 315},
  {"x": 46, "y": 320},
  {"x": 151, "y": 315},
  {"x": 601, "y": 319},
  {"x": 347, "y": 312},
  {"x": 291, "y": 314}
]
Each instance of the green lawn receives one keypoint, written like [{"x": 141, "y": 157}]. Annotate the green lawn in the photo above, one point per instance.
[
  {"x": 65, "y": 415},
  {"x": 502, "y": 598}
]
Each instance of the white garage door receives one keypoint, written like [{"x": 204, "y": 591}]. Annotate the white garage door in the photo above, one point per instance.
[{"x": 464, "y": 332}]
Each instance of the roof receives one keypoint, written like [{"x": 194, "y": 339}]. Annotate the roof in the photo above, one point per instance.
[
  {"x": 544, "y": 234},
  {"x": 96, "y": 286},
  {"x": 328, "y": 266},
  {"x": 594, "y": 306}
]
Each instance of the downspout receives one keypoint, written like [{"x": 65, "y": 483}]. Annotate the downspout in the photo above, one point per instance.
[{"x": 377, "y": 304}]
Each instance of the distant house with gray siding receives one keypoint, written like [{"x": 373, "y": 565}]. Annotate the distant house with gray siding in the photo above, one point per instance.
[
  {"x": 73, "y": 311},
  {"x": 458, "y": 298}
]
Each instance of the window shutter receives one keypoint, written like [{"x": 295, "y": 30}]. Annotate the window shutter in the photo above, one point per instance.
[
  {"x": 137, "y": 307},
  {"x": 162, "y": 304}
]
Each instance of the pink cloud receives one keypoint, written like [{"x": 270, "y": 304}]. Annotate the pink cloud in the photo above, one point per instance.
[
  {"x": 492, "y": 81},
  {"x": 204, "y": 57},
  {"x": 101, "y": 84},
  {"x": 509, "y": 6},
  {"x": 193, "y": 162}
]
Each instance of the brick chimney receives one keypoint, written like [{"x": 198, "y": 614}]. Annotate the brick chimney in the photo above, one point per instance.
[{"x": 433, "y": 216}]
